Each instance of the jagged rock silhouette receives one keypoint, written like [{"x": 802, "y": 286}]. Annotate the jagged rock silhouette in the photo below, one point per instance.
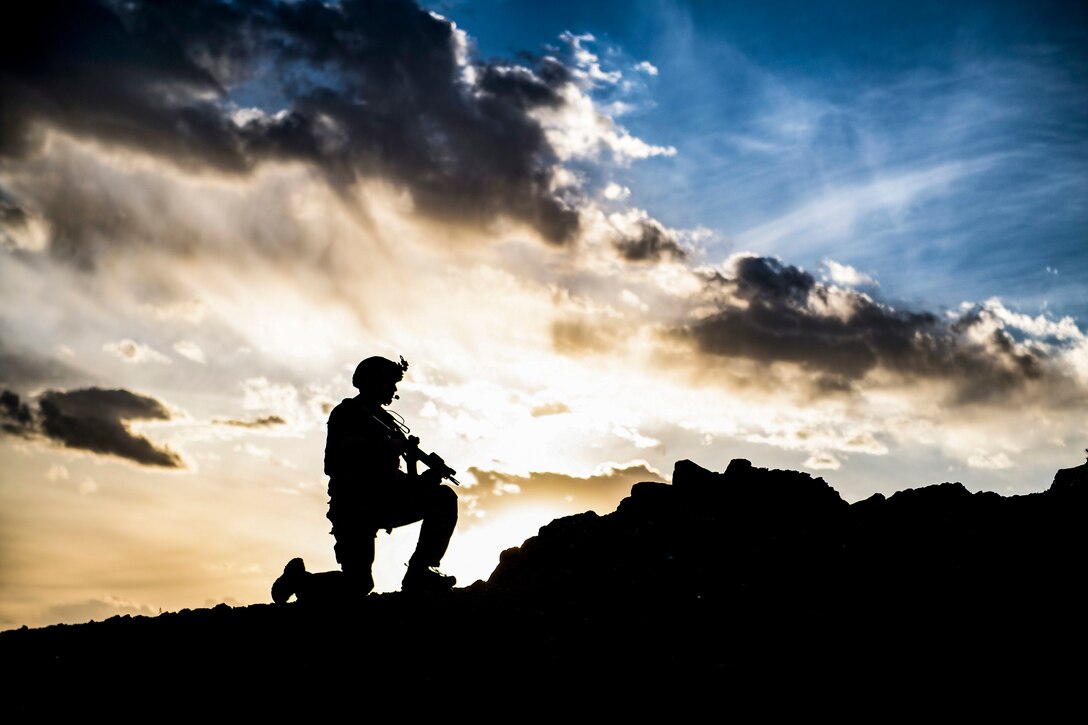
[{"x": 744, "y": 586}]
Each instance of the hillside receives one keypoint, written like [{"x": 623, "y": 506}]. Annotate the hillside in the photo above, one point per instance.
[{"x": 744, "y": 587}]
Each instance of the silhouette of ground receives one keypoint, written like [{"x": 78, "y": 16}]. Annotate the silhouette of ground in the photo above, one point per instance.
[{"x": 751, "y": 590}]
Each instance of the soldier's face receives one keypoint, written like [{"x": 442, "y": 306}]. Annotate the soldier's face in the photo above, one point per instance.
[{"x": 380, "y": 392}]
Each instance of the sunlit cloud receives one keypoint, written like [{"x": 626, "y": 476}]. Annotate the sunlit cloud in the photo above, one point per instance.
[
  {"x": 615, "y": 192},
  {"x": 134, "y": 352},
  {"x": 549, "y": 409},
  {"x": 823, "y": 461},
  {"x": 577, "y": 129},
  {"x": 189, "y": 349},
  {"x": 846, "y": 275},
  {"x": 989, "y": 460},
  {"x": 639, "y": 440}
]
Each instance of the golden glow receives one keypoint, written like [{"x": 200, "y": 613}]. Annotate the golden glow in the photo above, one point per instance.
[{"x": 476, "y": 546}]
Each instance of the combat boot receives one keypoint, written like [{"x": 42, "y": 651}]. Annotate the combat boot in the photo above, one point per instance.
[
  {"x": 289, "y": 582},
  {"x": 426, "y": 579}
]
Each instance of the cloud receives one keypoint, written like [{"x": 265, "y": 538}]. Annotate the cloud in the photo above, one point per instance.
[
  {"x": 15, "y": 416},
  {"x": 134, "y": 352},
  {"x": 192, "y": 311},
  {"x": 554, "y": 408},
  {"x": 607, "y": 486},
  {"x": 91, "y": 419},
  {"x": 615, "y": 192},
  {"x": 20, "y": 368},
  {"x": 823, "y": 461},
  {"x": 577, "y": 129},
  {"x": 190, "y": 350},
  {"x": 88, "y": 486},
  {"x": 587, "y": 63},
  {"x": 581, "y": 337},
  {"x": 1038, "y": 326},
  {"x": 993, "y": 461},
  {"x": 581, "y": 127},
  {"x": 637, "y": 439},
  {"x": 763, "y": 310},
  {"x": 20, "y": 228},
  {"x": 356, "y": 89},
  {"x": 837, "y": 211},
  {"x": 844, "y": 274},
  {"x": 280, "y": 403},
  {"x": 646, "y": 240},
  {"x": 91, "y": 610},
  {"x": 267, "y": 421}
]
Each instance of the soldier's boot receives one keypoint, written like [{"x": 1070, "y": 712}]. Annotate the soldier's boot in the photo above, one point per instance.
[
  {"x": 426, "y": 579},
  {"x": 289, "y": 582}
]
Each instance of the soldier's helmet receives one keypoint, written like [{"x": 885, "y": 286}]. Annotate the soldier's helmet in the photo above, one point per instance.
[{"x": 378, "y": 369}]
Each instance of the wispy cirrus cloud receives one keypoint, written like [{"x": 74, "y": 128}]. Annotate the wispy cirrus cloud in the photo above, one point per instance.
[{"x": 836, "y": 213}]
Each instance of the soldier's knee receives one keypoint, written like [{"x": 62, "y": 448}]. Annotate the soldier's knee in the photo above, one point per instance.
[{"x": 446, "y": 496}]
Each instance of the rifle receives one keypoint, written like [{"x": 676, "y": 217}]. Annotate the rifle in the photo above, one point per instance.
[{"x": 410, "y": 448}]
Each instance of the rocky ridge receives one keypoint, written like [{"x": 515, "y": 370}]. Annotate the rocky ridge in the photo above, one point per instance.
[{"x": 736, "y": 586}]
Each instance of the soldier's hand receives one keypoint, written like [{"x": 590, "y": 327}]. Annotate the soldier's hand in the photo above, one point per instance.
[{"x": 431, "y": 477}]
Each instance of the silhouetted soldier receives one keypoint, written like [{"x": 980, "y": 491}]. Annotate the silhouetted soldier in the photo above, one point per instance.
[{"x": 369, "y": 490}]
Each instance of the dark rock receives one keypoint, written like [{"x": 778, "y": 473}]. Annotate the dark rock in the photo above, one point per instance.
[{"x": 754, "y": 587}]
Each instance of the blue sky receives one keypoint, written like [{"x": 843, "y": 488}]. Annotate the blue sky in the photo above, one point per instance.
[{"x": 954, "y": 135}]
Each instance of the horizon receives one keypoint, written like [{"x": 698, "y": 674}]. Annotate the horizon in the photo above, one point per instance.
[{"x": 841, "y": 238}]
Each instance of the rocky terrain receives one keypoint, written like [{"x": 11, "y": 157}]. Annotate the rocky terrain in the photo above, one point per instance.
[{"x": 749, "y": 590}]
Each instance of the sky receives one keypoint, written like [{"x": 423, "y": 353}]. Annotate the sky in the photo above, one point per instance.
[{"x": 847, "y": 238}]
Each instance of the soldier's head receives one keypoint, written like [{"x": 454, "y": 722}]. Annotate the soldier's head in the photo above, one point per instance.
[{"x": 376, "y": 379}]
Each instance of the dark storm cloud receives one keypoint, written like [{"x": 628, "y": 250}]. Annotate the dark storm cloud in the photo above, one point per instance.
[
  {"x": 652, "y": 243},
  {"x": 72, "y": 63},
  {"x": 770, "y": 312},
  {"x": 91, "y": 419},
  {"x": 360, "y": 89},
  {"x": 15, "y": 417}
]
